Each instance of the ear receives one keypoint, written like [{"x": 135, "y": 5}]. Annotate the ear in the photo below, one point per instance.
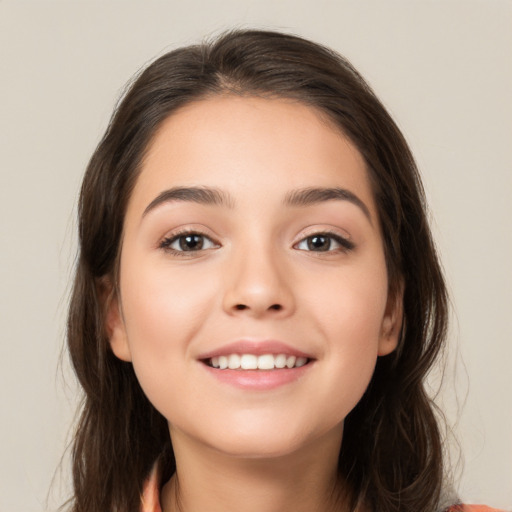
[
  {"x": 114, "y": 322},
  {"x": 392, "y": 321}
]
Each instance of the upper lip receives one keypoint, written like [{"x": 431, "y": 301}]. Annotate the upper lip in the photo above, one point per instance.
[{"x": 257, "y": 348}]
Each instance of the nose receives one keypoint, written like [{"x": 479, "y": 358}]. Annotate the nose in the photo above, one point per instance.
[{"x": 258, "y": 285}]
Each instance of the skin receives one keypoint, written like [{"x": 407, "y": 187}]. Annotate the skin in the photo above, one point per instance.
[{"x": 255, "y": 278}]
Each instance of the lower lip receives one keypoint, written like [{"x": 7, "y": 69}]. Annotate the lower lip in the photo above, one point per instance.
[{"x": 258, "y": 380}]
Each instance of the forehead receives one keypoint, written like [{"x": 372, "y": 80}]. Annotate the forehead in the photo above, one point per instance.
[{"x": 245, "y": 144}]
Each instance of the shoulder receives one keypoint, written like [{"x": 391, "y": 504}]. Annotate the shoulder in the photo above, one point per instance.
[
  {"x": 471, "y": 508},
  {"x": 150, "y": 499}
]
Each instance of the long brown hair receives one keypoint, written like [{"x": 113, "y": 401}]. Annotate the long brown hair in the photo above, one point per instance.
[{"x": 391, "y": 456}]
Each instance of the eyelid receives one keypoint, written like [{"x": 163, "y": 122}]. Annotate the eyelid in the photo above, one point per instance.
[
  {"x": 343, "y": 239},
  {"x": 171, "y": 237},
  {"x": 186, "y": 229}
]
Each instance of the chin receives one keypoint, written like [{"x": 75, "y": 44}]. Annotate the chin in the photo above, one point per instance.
[
  {"x": 258, "y": 449},
  {"x": 270, "y": 441}
]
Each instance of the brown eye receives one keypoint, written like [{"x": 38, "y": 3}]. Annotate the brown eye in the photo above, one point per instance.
[
  {"x": 325, "y": 242},
  {"x": 187, "y": 242},
  {"x": 191, "y": 242},
  {"x": 319, "y": 243}
]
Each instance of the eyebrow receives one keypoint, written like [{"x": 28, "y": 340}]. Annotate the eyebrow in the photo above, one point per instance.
[
  {"x": 201, "y": 195},
  {"x": 309, "y": 196},
  {"x": 215, "y": 197}
]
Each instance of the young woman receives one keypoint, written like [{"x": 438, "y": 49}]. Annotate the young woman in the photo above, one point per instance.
[{"x": 258, "y": 298}]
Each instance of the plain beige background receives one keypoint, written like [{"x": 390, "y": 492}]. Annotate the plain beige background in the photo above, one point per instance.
[{"x": 444, "y": 70}]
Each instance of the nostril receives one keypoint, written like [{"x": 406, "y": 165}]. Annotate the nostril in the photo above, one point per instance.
[{"x": 275, "y": 307}]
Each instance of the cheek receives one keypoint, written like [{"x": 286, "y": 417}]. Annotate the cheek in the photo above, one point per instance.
[
  {"x": 161, "y": 303},
  {"x": 349, "y": 315},
  {"x": 351, "y": 306},
  {"x": 164, "y": 311}
]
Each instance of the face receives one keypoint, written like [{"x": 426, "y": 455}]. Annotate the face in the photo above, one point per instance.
[{"x": 253, "y": 296}]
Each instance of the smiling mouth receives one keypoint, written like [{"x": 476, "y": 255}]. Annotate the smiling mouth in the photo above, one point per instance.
[{"x": 256, "y": 362}]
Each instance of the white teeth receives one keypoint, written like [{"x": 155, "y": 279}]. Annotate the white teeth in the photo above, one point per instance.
[
  {"x": 249, "y": 362},
  {"x": 266, "y": 362},
  {"x": 290, "y": 361},
  {"x": 301, "y": 361},
  {"x": 234, "y": 362},
  {"x": 280, "y": 361},
  {"x": 253, "y": 362}
]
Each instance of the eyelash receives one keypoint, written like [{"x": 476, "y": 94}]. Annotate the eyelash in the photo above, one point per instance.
[
  {"x": 345, "y": 244},
  {"x": 167, "y": 242}
]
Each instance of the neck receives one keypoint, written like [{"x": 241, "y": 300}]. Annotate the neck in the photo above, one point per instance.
[{"x": 303, "y": 481}]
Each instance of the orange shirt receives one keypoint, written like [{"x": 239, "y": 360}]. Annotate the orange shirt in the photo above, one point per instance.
[
  {"x": 151, "y": 499},
  {"x": 472, "y": 508}
]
